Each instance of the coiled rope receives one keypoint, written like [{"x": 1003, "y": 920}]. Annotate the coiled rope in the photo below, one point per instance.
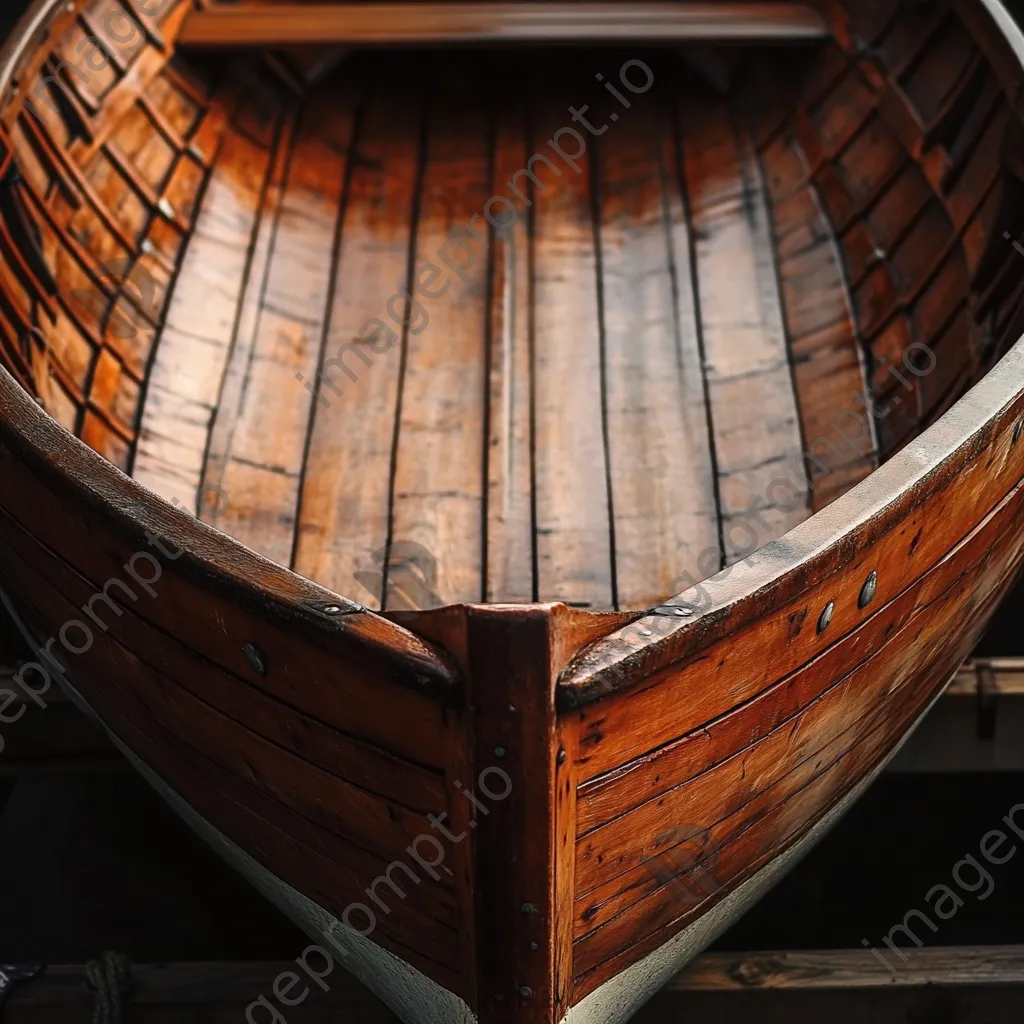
[{"x": 108, "y": 978}]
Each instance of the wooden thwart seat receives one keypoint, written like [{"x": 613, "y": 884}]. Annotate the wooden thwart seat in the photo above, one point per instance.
[{"x": 382, "y": 24}]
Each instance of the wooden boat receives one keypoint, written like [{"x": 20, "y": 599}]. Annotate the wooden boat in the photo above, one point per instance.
[{"x": 607, "y": 453}]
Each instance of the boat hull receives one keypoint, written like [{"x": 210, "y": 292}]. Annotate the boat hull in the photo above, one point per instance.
[{"x": 529, "y": 810}]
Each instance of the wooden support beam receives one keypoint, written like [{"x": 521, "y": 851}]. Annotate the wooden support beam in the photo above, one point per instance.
[
  {"x": 983, "y": 983},
  {"x": 978, "y": 726},
  {"x": 385, "y": 24},
  {"x": 846, "y": 969}
]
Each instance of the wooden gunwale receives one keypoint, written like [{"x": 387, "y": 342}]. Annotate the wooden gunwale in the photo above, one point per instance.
[
  {"x": 813, "y": 553},
  {"x": 869, "y": 752},
  {"x": 855, "y": 688},
  {"x": 874, "y": 736},
  {"x": 346, "y": 755},
  {"x": 743, "y": 726},
  {"x": 315, "y": 862}
]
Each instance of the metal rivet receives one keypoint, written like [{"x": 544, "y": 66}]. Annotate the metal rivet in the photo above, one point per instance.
[
  {"x": 1018, "y": 430},
  {"x": 499, "y": 752},
  {"x": 535, "y": 945},
  {"x": 333, "y": 609},
  {"x": 646, "y": 632},
  {"x": 684, "y": 610},
  {"x": 826, "y": 616},
  {"x": 867, "y": 592},
  {"x": 562, "y": 755},
  {"x": 525, "y": 991},
  {"x": 256, "y": 658},
  {"x": 164, "y": 206},
  {"x": 527, "y": 908}
]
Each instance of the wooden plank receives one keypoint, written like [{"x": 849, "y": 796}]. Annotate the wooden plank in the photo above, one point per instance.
[
  {"x": 437, "y": 503},
  {"x": 510, "y": 565},
  {"x": 843, "y": 970},
  {"x": 344, "y": 511},
  {"x": 308, "y": 856},
  {"x": 262, "y": 475},
  {"x": 828, "y": 363},
  {"x": 745, "y": 344},
  {"x": 348, "y": 756},
  {"x": 660, "y": 454},
  {"x": 230, "y": 404},
  {"x": 324, "y": 798},
  {"x": 385, "y": 24},
  {"x": 830, "y": 702},
  {"x": 194, "y": 341},
  {"x": 573, "y": 519},
  {"x": 846, "y": 985}
]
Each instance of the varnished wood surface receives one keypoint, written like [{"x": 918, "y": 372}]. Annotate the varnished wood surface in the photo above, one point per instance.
[
  {"x": 591, "y": 414},
  {"x": 249, "y": 24},
  {"x": 778, "y": 229},
  {"x": 349, "y": 370}
]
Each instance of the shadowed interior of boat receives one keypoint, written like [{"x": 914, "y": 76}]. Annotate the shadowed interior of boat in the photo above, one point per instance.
[{"x": 404, "y": 322}]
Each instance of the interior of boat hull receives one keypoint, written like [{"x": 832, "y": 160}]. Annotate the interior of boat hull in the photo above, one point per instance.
[
  {"x": 721, "y": 340},
  {"x": 508, "y": 326}
]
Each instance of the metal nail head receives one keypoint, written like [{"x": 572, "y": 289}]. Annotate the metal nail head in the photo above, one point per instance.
[
  {"x": 867, "y": 592},
  {"x": 256, "y": 658},
  {"x": 826, "y": 616}
]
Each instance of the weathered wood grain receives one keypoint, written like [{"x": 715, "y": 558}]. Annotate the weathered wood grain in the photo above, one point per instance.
[
  {"x": 602, "y": 403},
  {"x": 344, "y": 513}
]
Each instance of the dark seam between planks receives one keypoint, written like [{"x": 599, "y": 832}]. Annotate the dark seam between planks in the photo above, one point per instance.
[
  {"x": 355, "y": 133},
  {"x": 281, "y": 136},
  {"x": 679, "y": 144},
  {"x": 596, "y": 213},
  {"x": 186, "y": 244},
  {"x": 414, "y": 223}
]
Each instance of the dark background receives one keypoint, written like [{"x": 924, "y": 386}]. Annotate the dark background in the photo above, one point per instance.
[{"x": 95, "y": 862}]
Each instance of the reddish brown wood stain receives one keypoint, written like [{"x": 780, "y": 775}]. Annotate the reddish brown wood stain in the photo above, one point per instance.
[{"x": 596, "y": 412}]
